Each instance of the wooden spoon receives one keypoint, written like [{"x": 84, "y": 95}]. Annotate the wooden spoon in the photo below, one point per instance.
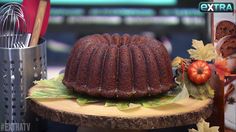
[{"x": 37, "y": 13}]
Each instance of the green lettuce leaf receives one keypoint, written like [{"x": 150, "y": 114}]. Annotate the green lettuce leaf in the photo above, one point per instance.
[
  {"x": 123, "y": 105},
  {"x": 83, "y": 100},
  {"x": 200, "y": 92},
  {"x": 59, "y": 77},
  {"x": 167, "y": 98},
  {"x": 50, "y": 84},
  {"x": 158, "y": 102},
  {"x": 54, "y": 88},
  {"x": 51, "y": 93}
]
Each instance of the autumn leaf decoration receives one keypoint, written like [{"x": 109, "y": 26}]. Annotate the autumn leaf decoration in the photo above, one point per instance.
[
  {"x": 221, "y": 68},
  {"x": 207, "y": 53},
  {"x": 201, "y": 51},
  {"x": 203, "y": 126},
  {"x": 197, "y": 82}
]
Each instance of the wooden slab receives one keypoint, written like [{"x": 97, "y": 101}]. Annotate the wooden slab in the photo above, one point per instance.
[{"x": 67, "y": 111}]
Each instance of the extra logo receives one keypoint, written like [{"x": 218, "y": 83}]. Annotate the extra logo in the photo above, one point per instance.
[{"x": 216, "y": 7}]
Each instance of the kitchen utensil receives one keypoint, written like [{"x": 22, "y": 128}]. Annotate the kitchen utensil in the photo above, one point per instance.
[
  {"x": 13, "y": 26},
  {"x": 19, "y": 68},
  {"x": 38, "y": 22},
  {"x": 38, "y": 12}
]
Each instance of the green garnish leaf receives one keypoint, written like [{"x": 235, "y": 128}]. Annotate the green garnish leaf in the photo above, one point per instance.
[
  {"x": 59, "y": 78},
  {"x": 158, "y": 102},
  {"x": 54, "y": 88},
  {"x": 168, "y": 98},
  {"x": 109, "y": 103},
  {"x": 123, "y": 105},
  {"x": 200, "y": 92},
  {"x": 50, "y": 93},
  {"x": 50, "y": 84},
  {"x": 83, "y": 100}
]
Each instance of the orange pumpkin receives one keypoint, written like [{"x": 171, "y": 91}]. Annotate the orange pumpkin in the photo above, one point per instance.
[{"x": 199, "y": 72}]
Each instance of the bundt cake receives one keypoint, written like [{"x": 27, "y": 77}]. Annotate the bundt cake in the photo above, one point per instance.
[{"x": 114, "y": 66}]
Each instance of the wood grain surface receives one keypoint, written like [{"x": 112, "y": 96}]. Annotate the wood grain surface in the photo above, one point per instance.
[{"x": 67, "y": 111}]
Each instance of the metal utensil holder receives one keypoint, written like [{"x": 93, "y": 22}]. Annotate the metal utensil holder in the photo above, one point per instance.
[{"x": 19, "y": 68}]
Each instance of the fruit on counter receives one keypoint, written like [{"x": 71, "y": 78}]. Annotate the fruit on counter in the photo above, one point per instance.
[{"x": 199, "y": 72}]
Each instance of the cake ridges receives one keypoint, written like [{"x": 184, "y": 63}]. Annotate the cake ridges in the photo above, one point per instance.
[
  {"x": 109, "y": 77},
  {"x": 152, "y": 70},
  {"x": 119, "y": 66},
  {"x": 140, "y": 77},
  {"x": 94, "y": 80},
  {"x": 117, "y": 71},
  {"x": 83, "y": 65},
  {"x": 125, "y": 73},
  {"x": 77, "y": 58}
]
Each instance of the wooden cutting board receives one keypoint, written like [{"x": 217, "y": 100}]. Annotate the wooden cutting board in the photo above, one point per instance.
[{"x": 67, "y": 111}]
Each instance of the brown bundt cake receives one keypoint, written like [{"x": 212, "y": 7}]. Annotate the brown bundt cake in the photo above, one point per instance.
[{"x": 115, "y": 66}]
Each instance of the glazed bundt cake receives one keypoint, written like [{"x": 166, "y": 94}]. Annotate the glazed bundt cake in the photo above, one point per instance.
[{"x": 114, "y": 66}]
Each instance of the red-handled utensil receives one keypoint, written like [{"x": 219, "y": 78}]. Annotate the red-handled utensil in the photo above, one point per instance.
[{"x": 37, "y": 13}]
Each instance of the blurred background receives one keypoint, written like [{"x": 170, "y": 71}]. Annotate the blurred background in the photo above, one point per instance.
[{"x": 175, "y": 22}]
